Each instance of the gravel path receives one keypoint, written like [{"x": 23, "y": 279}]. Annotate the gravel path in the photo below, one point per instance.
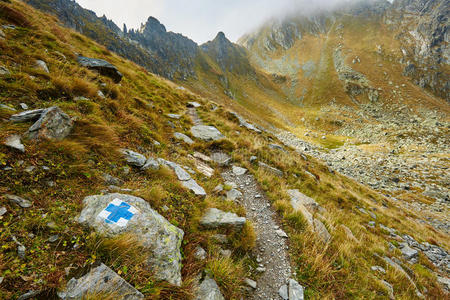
[{"x": 271, "y": 249}]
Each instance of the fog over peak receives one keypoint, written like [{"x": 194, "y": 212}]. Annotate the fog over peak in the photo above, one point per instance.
[{"x": 200, "y": 20}]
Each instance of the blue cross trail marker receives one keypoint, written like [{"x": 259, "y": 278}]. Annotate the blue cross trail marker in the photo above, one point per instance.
[{"x": 118, "y": 212}]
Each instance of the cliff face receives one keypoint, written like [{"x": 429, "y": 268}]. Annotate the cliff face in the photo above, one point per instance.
[{"x": 423, "y": 30}]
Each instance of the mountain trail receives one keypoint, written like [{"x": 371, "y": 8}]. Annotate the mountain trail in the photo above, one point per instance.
[{"x": 271, "y": 250}]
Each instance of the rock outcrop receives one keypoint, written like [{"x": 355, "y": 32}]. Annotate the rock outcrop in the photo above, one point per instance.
[{"x": 102, "y": 66}]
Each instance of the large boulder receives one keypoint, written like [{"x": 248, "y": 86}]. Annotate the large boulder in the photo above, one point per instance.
[
  {"x": 102, "y": 66},
  {"x": 52, "y": 124},
  {"x": 100, "y": 281},
  {"x": 115, "y": 214},
  {"x": 215, "y": 218},
  {"x": 209, "y": 290},
  {"x": 206, "y": 133}
]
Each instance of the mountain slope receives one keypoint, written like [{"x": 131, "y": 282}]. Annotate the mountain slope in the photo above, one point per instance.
[{"x": 375, "y": 248}]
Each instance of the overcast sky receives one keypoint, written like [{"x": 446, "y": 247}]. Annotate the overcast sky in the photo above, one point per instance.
[{"x": 199, "y": 20}]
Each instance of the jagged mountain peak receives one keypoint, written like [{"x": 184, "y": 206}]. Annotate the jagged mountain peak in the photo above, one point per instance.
[{"x": 153, "y": 25}]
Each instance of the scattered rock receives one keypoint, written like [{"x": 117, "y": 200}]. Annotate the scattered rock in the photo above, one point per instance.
[
  {"x": 14, "y": 142},
  {"x": 295, "y": 290},
  {"x": 251, "y": 283},
  {"x": 133, "y": 158},
  {"x": 389, "y": 288},
  {"x": 102, "y": 66},
  {"x": 378, "y": 269},
  {"x": 253, "y": 159},
  {"x": 276, "y": 147},
  {"x": 183, "y": 137},
  {"x": 115, "y": 214},
  {"x": 174, "y": 116},
  {"x": 19, "y": 201},
  {"x": 41, "y": 65},
  {"x": 234, "y": 194},
  {"x": 206, "y": 133},
  {"x": 29, "y": 115},
  {"x": 244, "y": 123},
  {"x": 2, "y": 211},
  {"x": 215, "y": 218},
  {"x": 3, "y": 106},
  {"x": 194, "y": 104},
  {"x": 23, "y": 106},
  {"x": 151, "y": 163},
  {"x": 111, "y": 180},
  {"x": 281, "y": 233},
  {"x": 202, "y": 156},
  {"x": 53, "y": 238},
  {"x": 322, "y": 231},
  {"x": 200, "y": 253},
  {"x": 209, "y": 290},
  {"x": 283, "y": 292},
  {"x": 225, "y": 253},
  {"x": 270, "y": 169},
  {"x": 52, "y": 124},
  {"x": 204, "y": 168},
  {"x": 4, "y": 71},
  {"x": 194, "y": 187},
  {"x": 238, "y": 171},
  {"x": 221, "y": 158},
  {"x": 299, "y": 198},
  {"x": 409, "y": 253},
  {"x": 29, "y": 295},
  {"x": 100, "y": 281}
]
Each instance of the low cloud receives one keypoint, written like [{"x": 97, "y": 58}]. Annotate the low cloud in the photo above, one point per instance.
[{"x": 200, "y": 20}]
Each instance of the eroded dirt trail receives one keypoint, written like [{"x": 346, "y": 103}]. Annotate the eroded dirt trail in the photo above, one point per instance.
[{"x": 271, "y": 249}]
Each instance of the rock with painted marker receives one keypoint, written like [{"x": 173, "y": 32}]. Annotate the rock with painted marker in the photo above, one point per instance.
[{"x": 115, "y": 214}]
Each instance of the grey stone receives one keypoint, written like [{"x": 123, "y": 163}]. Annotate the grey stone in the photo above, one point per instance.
[
  {"x": 209, "y": 290},
  {"x": 29, "y": 295},
  {"x": 133, "y": 158},
  {"x": 389, "y": 288},
  {"x": 81, "y": 98},
  {"x": 244, "y": 123},
  {"x": 295, "y": 290},
  {"x": 192, "y": 185},
  {"x": 23, "y": 105},
  {"x": 251, "y": 283},
  {"x": 225, "y": 253},
  {"x": 4, "y": 71},
  {"x": 206, "y": 133},
  {"x": 234, "y": 194},
  {"x": 21, "y": 250},
  {"x": 409, "y": 253},
  {"x": 179, "y": 171},
  {"x": 309, "y": 203},
  {"x": 194, "y": 104},
  {"x": 151, "y": 163},
  {"x": 14, "y": 142},
  {"x": 276, "y": 147},
  {"x": 445, "y": 281},
  {"x": 220, "y": 158},
  {"x": 253, "y": 159},
  {"x": 204, "y": 168},
  {"x": 53, "y": 238},
  {"x": 111, "y": 180},
  {"x": 29, "y": 115},
  {"x": 52, "y": 124},
  {"x": 271, "y": 169},
  {"x": 183, "y": 137},
  {"x": 19, "y": 201},
  {"x": 174, "y": 116},
  {"x": 281, "y": 233},
  {"x": 215, "y": 218},
  {"x": 100, "y": 94},
  {"x": 102, "y": 66},
  {"x": 41, "y": 65},
  {"x": 162, "y": 239},
  {"x": 378, "y": 269},
  {"x": 100, "y": 281},
  {"x": 200, "y": 253},
  {"x": 238, "y": 171},
  {"x": 2, "y": 34},
  {"x": 202, "y": 156},
  {"x": 283, "y": 292},
  {"x": 2, "y": 211},
  {"x": 322, "y": 231}
]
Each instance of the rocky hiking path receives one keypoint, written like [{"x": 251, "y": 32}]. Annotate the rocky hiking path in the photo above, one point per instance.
[{"x": 271, "y": 242}]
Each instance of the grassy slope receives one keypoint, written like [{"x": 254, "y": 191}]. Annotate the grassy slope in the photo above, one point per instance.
[{"x": 132, "y": 116}]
